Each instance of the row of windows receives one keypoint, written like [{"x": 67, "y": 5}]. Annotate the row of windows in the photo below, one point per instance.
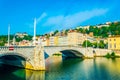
[
  {"x": 111, "y": 39},
  {"x": 113, "y": 45}
]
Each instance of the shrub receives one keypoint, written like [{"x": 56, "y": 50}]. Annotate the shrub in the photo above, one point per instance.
[
  {"x": 113, "y": 54},
  {"x": 108, "y": 55}
]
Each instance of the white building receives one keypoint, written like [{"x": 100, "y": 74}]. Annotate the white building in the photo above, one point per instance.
[
  {"x": 21, "y": 35},
  {"x": 75, "y": 38},
  {"x": 63, "y": 40}
]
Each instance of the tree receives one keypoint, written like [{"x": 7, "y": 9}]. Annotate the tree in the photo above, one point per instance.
[
  {"x": 101, "y": 44},
  {"x": 95, "y": 44},
  {"x": 89, "y": 44},
  {"x": 66, "y": 31},
  {"x": 29, "y": 37},
  {"x": 55, "y": 32},
  {"x": 2, "y": 44}
]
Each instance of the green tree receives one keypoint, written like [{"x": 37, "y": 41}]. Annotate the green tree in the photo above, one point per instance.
[
  {"x": 55, "y": 32},
  {"x": 2, "y": 44},
  {"x": 101, "y": 44},
  {"x": 87, "y": 43},
  {"x": 29, "y": 37},
  {"x": 95, "y": 44}
]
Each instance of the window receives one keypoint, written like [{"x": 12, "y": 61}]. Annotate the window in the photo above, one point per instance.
[
  {"x": 110, "y": 45},
  {"x": 114, "y": 39},
  {"x": 114, "y": 45}
]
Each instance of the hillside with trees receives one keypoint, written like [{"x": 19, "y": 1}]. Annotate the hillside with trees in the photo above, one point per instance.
[
  {"x": 4, "y": 39},
  {"x": 104, "y": 31}
]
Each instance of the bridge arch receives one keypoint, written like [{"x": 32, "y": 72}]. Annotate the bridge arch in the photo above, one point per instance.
[
  {"x": 15, "y": 59},
  {"x": 66, "y": 52},
  {"x": 71, "y": 53}
]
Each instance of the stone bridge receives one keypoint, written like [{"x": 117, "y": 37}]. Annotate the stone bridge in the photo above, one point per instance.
[
  {"x": 70, "y": 51},
  {"x": 32, "y": 57},
  {"x": 29, "y": 57}
]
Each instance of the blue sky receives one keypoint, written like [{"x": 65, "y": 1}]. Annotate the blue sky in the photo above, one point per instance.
[{"x": 55, "y": 14}]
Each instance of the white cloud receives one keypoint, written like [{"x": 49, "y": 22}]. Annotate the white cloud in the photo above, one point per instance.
[
  {"x": 43, "y": 15},
  {"x": 73, "y": 19},
  {"x": 54, "y": 20}
]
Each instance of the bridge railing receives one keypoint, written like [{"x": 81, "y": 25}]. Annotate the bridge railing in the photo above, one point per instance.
[{"x": 15, "y": 48}]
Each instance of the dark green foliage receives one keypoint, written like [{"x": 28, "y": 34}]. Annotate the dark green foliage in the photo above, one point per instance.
[
  {"x": 66, "y": 31},
  {"x": 108, "y": 55},
  {"x": 87, "y": 43},
  {"x": 101, "y": 44},
  {"x": 112, "y": 55},
  {"x": 1, "y": 44},
  {"x": 4, "y": 39},
  {"x": 18, "y": 39},
  {"x": 56, "y": 32},
  {"x": 57, "y": 54},
  {"x": 29, "y": 37},
  {"x": 104, "y": 31}
]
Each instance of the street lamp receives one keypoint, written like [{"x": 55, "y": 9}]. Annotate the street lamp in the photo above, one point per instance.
[
  {"x": 97, "y": 42},
  {"x": 9, "y": 35},
  {"x": 86, "y": 41},
  {"x": 34, "y": 38},
  {"x": 86, "y": 45},
  {"x": 14, "y": 40}
]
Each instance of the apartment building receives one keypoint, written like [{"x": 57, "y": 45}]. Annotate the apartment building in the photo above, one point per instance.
[
  {"x": 75, "y": 38},
  {"x": 114, "y": 43}
]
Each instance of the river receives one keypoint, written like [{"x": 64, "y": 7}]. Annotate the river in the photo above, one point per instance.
[{"x": 69, "y": 69}]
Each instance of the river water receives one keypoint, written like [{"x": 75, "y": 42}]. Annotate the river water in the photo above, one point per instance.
[{"x": 69, "y": 69}]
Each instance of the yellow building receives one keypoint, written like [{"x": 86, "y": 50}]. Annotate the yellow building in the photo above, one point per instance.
[
  {"x": 114, "y": 43},
  {"x": 75, "y": 38},
  {"x": 53, "y": 41},
  {"x": 56, "y": 40},
  {"x": 47, "y": 42}
]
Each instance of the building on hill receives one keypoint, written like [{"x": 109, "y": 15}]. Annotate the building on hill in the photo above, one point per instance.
[
  {"x": 103, "y": 25},
  {"x": 24, "y": 43},
  {"x": 86, "y": 27},
  {"x": 114, "y": 42},
  {"x": 91, "y": 39},
  {"x": 21, "y": 35},
  {"x": 75, "y": 38},
  {"x": 108, "y": 23},
  {"x": 91, "y": 34}
]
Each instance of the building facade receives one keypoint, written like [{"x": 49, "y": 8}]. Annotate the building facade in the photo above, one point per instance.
[
  {"x": 53, "y": 41},
  {"x": 114, "y": 43},
  {"x": 75, "y": 38},
  {"x": 63, "y": 40}
]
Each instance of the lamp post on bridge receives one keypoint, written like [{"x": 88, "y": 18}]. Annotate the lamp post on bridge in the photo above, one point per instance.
[
  {"x": 34, "y": 38},
  {"x": 14, "y": 40},
  {"x": 9, "y": 35},
  {"x": 97, "y": 42},
  {"x": 86, "y": 45},
  {"x": 98, "y": 47},
  {"x": 86, "y": 41}
]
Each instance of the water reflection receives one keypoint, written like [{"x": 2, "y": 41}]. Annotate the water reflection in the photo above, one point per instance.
[
  {"x": 30, "y": 74},
  {"x": 8, "y": 72},
  {"x": 69, "y": 69}
]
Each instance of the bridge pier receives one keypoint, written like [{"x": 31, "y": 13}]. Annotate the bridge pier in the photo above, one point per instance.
[
  {"x": 39, "y": 61},
  {"x": 89, "y": 53}
]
